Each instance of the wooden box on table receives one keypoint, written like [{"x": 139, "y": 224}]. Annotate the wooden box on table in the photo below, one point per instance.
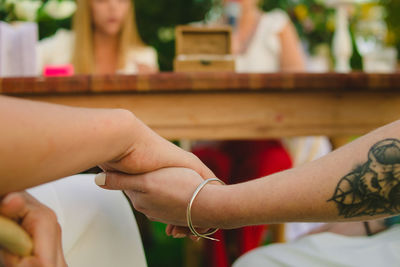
[{"x": 203, "y": 48}]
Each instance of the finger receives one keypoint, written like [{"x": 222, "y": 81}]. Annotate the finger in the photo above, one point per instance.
[
  {"x": 120, "y": 181},
  {"x": 183, "y": 231},
  {"x": 168, "y": 229},
  {"x": 30, "y": 262},
  {"x": 60, "y": 255},
  {"x": 10, "y": 259},
  {"x": 17, "y": 205},
  {"x": 14, "y": 206},
  {"x": 180, "y": 231},
  {"x": 43, "y": 226},
  {"x": 12, "y": 236},
  {"x": 197, "y": 165}
]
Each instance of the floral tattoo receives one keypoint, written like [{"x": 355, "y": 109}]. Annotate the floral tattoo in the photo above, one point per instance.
[{"x": 374, "y": 187}]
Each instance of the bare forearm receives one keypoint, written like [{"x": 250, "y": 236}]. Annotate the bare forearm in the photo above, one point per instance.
[
  {"x": 292, "y": 58},
  {"x": 42, "y": 142},
  {"x": 360, "y": 181}
]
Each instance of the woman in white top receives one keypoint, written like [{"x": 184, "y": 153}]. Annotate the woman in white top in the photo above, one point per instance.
[
  {"x": 99, "y": 228},
  {"x": 266, "y": 42},
  {"x": 104, "y": 40}
]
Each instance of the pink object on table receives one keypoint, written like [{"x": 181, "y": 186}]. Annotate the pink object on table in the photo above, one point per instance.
[{"x": 58, "y": 70}]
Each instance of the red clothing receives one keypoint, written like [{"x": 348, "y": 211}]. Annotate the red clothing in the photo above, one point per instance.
[{"x": 235, "y": 162}]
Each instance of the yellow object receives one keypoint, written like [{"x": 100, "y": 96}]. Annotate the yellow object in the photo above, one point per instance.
[
  {"x": 301, "y": 12},
  {"x": 13, "y": 238}
]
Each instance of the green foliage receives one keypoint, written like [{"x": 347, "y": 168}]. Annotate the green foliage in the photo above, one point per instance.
[
  {"x": 163, "y": 250},
  {"x": 48, "y": 25},
  {"x": 393, "y": 21},
  {"x": 314, "y": 22},
  {"x": 157, "y": 19},
  {"x": 3, "y": 11}
]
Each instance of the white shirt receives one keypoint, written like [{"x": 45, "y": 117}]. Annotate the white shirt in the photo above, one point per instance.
[
  {"x": 98, "y": 226},
  {"x": 264, "y": 50},
  {"x": 58, "y": 50}
]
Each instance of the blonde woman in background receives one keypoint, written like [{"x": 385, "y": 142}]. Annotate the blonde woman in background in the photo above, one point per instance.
[
  {"x": 104, "y": 40},
  {"x": 98, "y": 229}
]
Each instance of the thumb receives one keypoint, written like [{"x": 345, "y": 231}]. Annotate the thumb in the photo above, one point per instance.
[
  {"x": 120, "y": 181},
  {"x": 197, "y": 165}
]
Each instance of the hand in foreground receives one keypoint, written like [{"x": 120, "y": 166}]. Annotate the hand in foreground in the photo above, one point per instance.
[
  {"x": 163, "y": 195},
  {"x": 149, "y": 151},
  {"x": 41, "y": 223}
]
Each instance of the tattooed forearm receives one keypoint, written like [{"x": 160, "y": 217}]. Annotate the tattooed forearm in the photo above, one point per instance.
[{"x": 374, "y": 187}]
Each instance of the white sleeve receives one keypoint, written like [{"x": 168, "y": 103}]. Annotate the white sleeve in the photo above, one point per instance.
[
  {"x": 280, "y": 19},
  {"x": 148, "y": 56}
]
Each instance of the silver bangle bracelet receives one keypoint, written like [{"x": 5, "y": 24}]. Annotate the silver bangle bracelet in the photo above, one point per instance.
[{"x": 189, "y": 211}]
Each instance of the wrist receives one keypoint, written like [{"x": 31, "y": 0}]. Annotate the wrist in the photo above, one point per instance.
[
  {"x": 212, "y": 207},
  {"x": 124, "y": 135},
  {"x": 376, "y": 226}
]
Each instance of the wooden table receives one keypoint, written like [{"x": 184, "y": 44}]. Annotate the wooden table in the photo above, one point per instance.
[{"x": 229, "y": 105}]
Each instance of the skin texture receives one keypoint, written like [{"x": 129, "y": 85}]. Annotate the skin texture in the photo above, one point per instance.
[
  {"x": 108, "y": 18},
  {"x": 42, "y": 142},
  {"x": 292, "y": 60},
  {"x": 114, "y": 139},
  {"x": 41, "y": 223},
  {"x": 305, "y": 193}
]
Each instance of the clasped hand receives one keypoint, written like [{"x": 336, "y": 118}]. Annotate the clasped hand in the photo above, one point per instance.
[
  {"x": 163, "y": 195},
  {"x": 159, "y": 178}
]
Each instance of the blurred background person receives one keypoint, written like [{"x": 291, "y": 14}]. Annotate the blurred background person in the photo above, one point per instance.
[{"x": 104, "y": 40}]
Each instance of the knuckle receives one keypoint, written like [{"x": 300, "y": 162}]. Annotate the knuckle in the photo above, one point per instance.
[
  {"x": 59, "y": 229},
  {"x": 110, "y": 179},
  {"x": 139, "y": 208},
  {"x": 147, "y": 182},
  {"x": 193, "y": 156},
  {"x": 136, "y": 205},
  {"x": 113, "y": 180}
]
